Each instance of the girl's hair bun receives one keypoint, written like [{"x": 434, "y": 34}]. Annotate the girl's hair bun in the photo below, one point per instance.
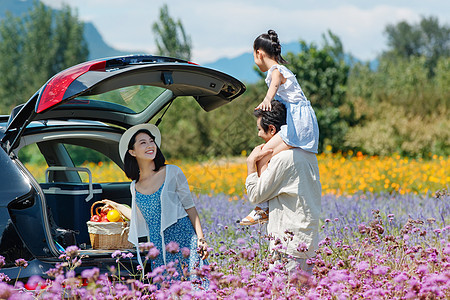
[{"x": 270, "y": 43}]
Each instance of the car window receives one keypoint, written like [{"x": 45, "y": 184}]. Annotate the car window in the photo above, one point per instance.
[
  {"x": 131, "y": 99},
  {"x": 34, "y": 161},
  {"x": 101, "y": 167}
]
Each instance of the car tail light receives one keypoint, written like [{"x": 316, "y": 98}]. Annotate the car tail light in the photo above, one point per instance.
[{"x": 56, "y": 87}]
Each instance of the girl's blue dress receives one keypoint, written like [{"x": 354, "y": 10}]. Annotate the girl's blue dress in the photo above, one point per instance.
[
  {"x": 301, "y": 129},
  {"x": 182, "y": 232}
]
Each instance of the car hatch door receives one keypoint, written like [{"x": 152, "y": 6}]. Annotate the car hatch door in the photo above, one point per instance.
[{"x": 123, "y": 91}]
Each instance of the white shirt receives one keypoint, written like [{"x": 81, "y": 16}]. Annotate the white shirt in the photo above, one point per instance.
[
  {"x": 291, "y": 185},
  {"x": 176, "y": 198}
]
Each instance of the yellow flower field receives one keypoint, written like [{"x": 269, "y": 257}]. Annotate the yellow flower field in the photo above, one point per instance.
[{"x": 339, "y": 174}]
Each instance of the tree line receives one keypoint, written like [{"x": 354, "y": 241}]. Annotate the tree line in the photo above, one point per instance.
[{"x": 400, "y": 106}]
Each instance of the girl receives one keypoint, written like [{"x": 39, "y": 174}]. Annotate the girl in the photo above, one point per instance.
[
  {"x": 301, "y": 129},
  {"x": 162, "y": 208}
]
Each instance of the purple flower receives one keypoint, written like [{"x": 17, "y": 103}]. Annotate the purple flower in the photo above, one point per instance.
[
  {"x": 380, "y": 270},
  {"x": 5, "y": 290},
  {"x": 127, "y": 255},
  {"x": 422, "y": 269},
  {"x": 152, "y": 253},
  {"x": 72, "y": 251},
  {"x": 240, "y": 294},
  {"x": 146, "y": 246},
  {"x": 172, "y": 247},
  {"x": 2, "y": 261},
  {"x": 302, "y": 247},
  {"x": 240, "y": 241},
  {"x": 21, "y": 263},
  {"x": 362, "y": 266},
  {"x": 447, "y": 249},
  {"x": 401, "y": 277},
  {"x": 185, "y": 252},
  {"x": 91, "y": 274},
  {"x": 116, "y": 253},
  {"x": 362, "y": 228},
  {"x": 368, "y": 253},
  {"x": 176, "y": 289}
]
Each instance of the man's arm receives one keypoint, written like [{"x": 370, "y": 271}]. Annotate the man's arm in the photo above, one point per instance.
[
  {"x": 269, "y": 184},
  {"x": 257, "y": 154}
]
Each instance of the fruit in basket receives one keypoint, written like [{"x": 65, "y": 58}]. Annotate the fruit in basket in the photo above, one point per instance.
[
  {"x": 113, "y": 215},
  {"x": 95, "y": 218},
  {"x": 104, "y": 218}
]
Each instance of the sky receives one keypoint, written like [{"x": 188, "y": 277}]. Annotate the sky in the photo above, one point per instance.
[{"x": 227, "y": 28}]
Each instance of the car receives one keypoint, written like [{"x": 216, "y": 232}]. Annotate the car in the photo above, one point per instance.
[{"x": 84, "y": 109}]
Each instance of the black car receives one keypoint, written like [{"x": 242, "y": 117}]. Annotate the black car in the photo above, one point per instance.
[{"x": 86, "y": 107}]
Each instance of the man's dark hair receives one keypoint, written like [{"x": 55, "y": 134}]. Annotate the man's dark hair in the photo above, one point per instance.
[
  {"x": 276, "y": 116},
  {"x": 131, "y": 166}
]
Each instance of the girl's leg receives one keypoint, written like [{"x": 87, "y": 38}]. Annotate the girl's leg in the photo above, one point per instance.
[
  {"x": 261, "y": 212},
  {"x": 277, "y": 144}
]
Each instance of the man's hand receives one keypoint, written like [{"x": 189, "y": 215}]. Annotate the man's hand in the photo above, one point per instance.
[{"x": 257, "y": 154}]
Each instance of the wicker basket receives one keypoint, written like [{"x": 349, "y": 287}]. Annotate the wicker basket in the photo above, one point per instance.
[{"x": 108, "y": 235}]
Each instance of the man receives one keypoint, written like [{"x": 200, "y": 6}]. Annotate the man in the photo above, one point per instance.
[{"x": 291, "y": 185}]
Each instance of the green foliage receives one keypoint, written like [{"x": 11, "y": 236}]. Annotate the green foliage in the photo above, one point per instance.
[
  {"x": 403, "y": 105},
  {"x": 34, "y": 48},
  {"x": 189, "y": 131},
  {"x": 171, "y": 39},
  {"x": 393, "y": 130},
  {"x": 404, "y": 83},
  {"x": 31, "y": 154},
  {"x": 427, "y": 39},
  {"x": 401, "y": 109}
]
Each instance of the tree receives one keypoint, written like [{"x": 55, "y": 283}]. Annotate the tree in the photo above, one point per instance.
[
  {"x": 12, "y": 78},
  {"x": 34, "y": 48},
  {"x": 171, "y": 39},
  {"x": 427, "y": 39}
]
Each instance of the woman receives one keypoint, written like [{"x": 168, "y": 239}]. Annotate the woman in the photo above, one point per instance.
[{"x": 162, "y": 208}]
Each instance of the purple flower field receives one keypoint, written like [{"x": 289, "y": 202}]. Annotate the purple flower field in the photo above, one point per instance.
[{"x": 372, "y": 247}]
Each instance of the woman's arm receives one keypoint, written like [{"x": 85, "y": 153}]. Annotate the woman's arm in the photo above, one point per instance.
[{"x": 195, "y": 220}]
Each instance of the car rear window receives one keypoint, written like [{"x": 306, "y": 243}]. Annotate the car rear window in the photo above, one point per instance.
[{"x": 131, "y": 99}]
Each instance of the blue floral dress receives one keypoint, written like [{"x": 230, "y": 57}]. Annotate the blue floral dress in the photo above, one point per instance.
[{"x": 181, "y": 232}]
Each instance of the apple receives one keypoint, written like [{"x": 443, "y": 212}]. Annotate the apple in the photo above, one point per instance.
[{"x": 95, "y": 218}]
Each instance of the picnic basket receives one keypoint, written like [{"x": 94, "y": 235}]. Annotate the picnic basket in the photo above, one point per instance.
[{"x": 108, "y": 235}]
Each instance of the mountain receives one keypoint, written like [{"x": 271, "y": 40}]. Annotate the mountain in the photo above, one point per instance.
[
  {"x": 98, "y": 48},
  {"x": 242, "y": 66}
]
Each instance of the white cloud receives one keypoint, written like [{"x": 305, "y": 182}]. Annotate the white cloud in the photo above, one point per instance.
[{"x": 227, "y": 28}]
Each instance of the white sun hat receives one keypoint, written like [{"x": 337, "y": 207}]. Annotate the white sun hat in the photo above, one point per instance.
[{"x": 126, "y": 137}]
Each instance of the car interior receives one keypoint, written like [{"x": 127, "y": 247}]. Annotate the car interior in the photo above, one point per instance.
[{"x": 69, "y": 186}]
